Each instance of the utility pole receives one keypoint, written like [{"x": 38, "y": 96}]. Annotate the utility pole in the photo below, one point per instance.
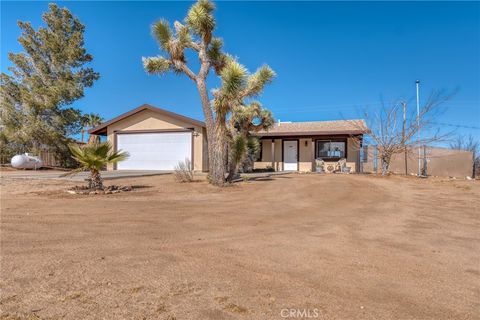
[
  {"x": 424, "y": 170},
  {"x": 404, "y": 106},
  {"x": 418, "y": 129}
]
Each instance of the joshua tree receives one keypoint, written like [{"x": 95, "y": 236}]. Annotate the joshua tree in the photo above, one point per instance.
[
  {"x": 89, "y": 121},
  {"x": 254, "y": 148},
  {"x": 244, "y": 121},
  {"x": 197, "y": 35},
  {"x": 94, "y": 157},
  {"x": 237, "y": 86}
]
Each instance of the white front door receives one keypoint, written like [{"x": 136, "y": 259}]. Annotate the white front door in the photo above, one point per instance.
[
  {"x": 290, "y": 153},
  {"x": 154, "y": 151}
]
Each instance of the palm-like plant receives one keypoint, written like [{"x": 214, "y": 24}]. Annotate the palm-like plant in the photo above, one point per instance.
[
  {"x": 94, "y": 157},
  {"x": 89, "y": 121}
]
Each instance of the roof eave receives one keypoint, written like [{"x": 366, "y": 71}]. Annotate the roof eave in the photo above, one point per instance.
[
  {"x": 308, "y": 133},
  {"x": 102, "y": 128},
  {"x": 99, "y": 131}
]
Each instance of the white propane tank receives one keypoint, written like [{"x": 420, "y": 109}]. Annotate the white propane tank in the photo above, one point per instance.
[{"x": 26, "y": 161}]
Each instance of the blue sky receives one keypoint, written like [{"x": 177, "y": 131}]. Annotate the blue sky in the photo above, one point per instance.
[{"x": 332, "y": 58}]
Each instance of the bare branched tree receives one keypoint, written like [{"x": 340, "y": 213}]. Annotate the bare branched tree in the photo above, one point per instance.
[
  {"x": 469, "y": 144},
  {"x": 392, "y": 132}
]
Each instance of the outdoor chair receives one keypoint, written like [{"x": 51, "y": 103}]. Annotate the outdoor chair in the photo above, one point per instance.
[
  {"x": 342, "y": 166},
  {"x": 319, "y": 165}
]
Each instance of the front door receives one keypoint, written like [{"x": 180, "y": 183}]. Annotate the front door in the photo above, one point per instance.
[{"x": 290, "y": 155}]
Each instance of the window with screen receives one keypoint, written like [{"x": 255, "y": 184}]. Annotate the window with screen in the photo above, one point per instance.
[{"x": 327, "y": 149}]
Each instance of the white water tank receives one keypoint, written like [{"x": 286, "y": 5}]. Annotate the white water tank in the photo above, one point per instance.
[{"x": 26, "y": 161}]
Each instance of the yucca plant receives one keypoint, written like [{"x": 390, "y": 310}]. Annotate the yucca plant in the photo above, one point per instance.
[
  {"x": 245, "y": 120},
  {"x": 234, "y": 98},
  {"x": 197, "y": 34},
  {"x": 94, "y": 157}
]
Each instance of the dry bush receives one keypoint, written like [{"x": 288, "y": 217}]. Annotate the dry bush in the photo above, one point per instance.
[{"x": 183, "y": 171}]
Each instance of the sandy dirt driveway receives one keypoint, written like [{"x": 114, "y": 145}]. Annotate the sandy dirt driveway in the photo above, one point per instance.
[{"x": 320, "y": 246}]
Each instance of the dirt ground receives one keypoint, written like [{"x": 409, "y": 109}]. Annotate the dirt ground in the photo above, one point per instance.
[{"x": 325, "y": 246}]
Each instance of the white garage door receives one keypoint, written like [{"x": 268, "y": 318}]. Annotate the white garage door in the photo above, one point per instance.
[{"x": 154, "y": 151}]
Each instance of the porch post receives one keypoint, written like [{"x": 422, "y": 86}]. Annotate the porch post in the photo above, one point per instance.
[
  {"x": 273, "y": 154},
  {"x": 358, "y": 166},
  {"x": 314, "y": 165}
]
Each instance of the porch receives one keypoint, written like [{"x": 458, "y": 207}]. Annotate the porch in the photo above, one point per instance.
[{"x": 295, "y": 153}]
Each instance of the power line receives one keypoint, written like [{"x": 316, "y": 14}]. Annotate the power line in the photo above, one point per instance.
[
  {"x": 360, "y": 106},
  {"x": 456, "y": 125},
  {"x": 318, "y": 108},
  {"x": 437, "y": 123}
]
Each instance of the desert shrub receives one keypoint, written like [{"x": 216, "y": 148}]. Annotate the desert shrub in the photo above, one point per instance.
[{"x": 183, "y": 171}]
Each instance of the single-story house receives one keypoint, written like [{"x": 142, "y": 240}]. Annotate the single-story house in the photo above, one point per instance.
[
  {"x": 298, "y": 146},
  {"x": 157, "y": 139}
]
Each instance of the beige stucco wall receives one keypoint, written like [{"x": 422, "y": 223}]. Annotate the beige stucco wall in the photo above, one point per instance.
[
  {"x": 305, "y": 154},
  {"x": 353, "y": 153},
  {"x": 441, "y": 162},
  {"x": 306, "y": 147},
  {"x": 267, "y": 155},
  {"x": 149, "y": 120}
]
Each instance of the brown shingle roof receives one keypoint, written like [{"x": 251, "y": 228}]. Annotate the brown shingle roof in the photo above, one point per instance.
[{"x": 356, "y": 126}]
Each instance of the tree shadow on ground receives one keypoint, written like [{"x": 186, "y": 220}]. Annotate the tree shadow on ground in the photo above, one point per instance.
[{"x": 141, "y": 186}]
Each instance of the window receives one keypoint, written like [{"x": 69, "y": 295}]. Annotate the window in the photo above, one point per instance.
[
  {"x": 327, "y": 149},
  {"x": 364, "y": 154}
]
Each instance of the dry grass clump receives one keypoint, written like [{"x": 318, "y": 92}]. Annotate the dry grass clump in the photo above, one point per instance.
[{"x": 183, "y": 171}]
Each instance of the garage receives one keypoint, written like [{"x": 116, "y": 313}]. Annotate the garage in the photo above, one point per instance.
[
  {"x": 156, "y": 139},
  {"x": 154, "y": 150}
]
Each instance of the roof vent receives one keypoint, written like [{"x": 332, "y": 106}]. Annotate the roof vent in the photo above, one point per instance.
[{"x": 280, "y": 122}]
